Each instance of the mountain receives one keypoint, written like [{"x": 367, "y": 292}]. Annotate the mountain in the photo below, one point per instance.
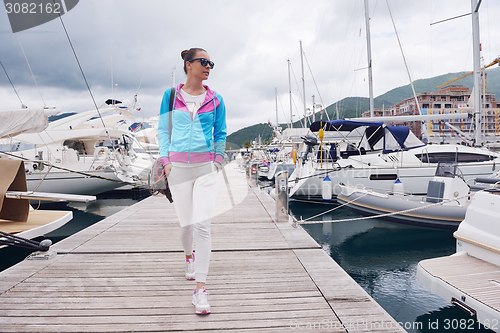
[
  {"x": 351, "y": 107},
  {"x": 396, "y": 95},
  {"x": 238, "y": 138}
]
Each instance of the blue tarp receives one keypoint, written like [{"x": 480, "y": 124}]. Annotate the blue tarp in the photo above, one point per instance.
[
  {"x": 342, "y": 125},
  {"x": 400, "y": 133}
]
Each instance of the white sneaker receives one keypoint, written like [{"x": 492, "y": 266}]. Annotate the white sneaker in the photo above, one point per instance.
[
  {"x": 190, "y": 273},
  {"x": 200, "y": 301}
]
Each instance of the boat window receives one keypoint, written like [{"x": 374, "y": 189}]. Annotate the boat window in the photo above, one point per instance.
[
  {"x": 446, "y": 169},
  {"x": 391, "y": 176},
  {"x": 373, "y": 139},
  {"x": 453, "y": 157},
  {"x": 391, "y": 144},
  {"x": 493, "y": 191},
  {"x": 79, "y": 146}
]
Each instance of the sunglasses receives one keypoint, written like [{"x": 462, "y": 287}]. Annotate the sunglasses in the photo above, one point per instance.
[{"x": 204, "y": 62}]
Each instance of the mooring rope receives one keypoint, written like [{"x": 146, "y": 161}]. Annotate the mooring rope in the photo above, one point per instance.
[
  {"x": 16, "y": 241},
  {"x": 72, "y": 171}
]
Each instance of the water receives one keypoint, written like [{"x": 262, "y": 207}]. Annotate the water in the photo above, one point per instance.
[
  {"x": 382, "y": 258},
  {"x": 84, "y": 215}
]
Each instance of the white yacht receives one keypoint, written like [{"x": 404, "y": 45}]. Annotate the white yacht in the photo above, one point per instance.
[
  {"x": 383, "y": 154},
  {"x": 85, "y": 153},
  {"x": 470, "y": 278},
  {"x": 17, "y": 218}
]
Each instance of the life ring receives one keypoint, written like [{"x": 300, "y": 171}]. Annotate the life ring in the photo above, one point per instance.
[{"x": 101, "y": 153}]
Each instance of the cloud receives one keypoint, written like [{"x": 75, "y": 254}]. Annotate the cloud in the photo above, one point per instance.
[{"x": 133, "y": 47}]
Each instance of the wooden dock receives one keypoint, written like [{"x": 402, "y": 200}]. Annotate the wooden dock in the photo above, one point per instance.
[{"x": 126, "y": 274}]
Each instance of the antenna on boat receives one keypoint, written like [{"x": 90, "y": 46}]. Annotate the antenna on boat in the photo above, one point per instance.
[{"x": 112, "y": 83}]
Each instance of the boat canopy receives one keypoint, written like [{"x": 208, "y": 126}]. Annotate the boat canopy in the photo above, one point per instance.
[
  {"x": 389, "y": 139},
  {"x": 342, "y": 125},
  {"x": 14, "y": 122},
  {"x": 377, "y": 135}
]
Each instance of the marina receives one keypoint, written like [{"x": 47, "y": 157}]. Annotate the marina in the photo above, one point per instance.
[
  {"x": 125, "y": 273},
  {"x": 350, "y": 214}
]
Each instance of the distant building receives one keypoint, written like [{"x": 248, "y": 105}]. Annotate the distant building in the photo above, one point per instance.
[{"x": 450, "y": 99}]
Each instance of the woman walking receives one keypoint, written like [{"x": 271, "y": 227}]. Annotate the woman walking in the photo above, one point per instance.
[{"x": 192, "y": 143}]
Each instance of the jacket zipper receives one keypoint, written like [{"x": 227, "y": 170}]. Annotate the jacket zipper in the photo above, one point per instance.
[
  {"x": 191, "y": 130},
  {"x": 190, "y": 140}
]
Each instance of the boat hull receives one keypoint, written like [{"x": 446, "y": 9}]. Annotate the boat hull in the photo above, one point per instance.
[
  {"x": 415, "y": 178},
  {"x": 372, "y": 203},
  {"x": 75, "y": 183}
]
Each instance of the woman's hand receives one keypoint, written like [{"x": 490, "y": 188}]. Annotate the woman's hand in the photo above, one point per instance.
[
  {"x": 218, "y": 166},
  {"x": 167, "y": 169}
]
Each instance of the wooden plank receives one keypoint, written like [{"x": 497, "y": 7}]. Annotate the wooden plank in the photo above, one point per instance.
[{"x": 126, "y": 273}]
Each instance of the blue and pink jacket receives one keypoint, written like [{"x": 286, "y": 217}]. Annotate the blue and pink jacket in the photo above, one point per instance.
[{"x": 202, "y": 139}]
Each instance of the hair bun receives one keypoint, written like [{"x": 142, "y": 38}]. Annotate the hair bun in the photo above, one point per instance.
[{"x": 183, "y": 54}]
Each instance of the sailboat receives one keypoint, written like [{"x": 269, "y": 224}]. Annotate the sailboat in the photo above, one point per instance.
[
  {"x": 371, "y": 154},
  {"x": 383, "y": 154}
]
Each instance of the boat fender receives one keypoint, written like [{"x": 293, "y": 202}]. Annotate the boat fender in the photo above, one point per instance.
[
  {"x": 326, "y": 189},
  {"x": 398, "y": 188}
]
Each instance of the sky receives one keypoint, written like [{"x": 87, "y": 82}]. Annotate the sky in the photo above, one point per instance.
[{"x": 133, "y": 47}]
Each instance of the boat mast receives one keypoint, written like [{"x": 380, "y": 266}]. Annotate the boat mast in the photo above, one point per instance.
[
  {"x": 276, "y": 94},
  {"x": 303, "y": 85},
  {"x": 314, "y": 105},
  {"x": 290, "y": 94},
  {"x": 477, "y": 70},
  {"x": 369, "y": 53}
]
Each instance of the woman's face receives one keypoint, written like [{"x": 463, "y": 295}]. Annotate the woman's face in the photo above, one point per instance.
[{"x": 196, "y": 69}]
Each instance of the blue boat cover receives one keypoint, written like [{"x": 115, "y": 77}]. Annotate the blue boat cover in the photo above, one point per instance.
[
  {"x": 342, "y": 125},
  {"x": 400, "y": 133},
  {"x": 376, "y": 136}
]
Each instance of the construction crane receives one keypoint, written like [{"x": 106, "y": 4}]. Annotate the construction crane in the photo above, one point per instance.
[{"x": 497, "y": 60}]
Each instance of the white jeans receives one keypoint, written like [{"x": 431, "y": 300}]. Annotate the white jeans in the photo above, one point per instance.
[{"x": 194, "y": 190}]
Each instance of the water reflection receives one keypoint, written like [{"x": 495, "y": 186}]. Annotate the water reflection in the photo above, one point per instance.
[
  {"x": 382, "y": 258},
  {"x": 449, "y": 319}
]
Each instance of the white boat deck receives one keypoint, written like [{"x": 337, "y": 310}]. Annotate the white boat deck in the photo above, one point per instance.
[
  {"x": 126, "y": 274},
  {"x": 39, "y": 222},
  {"x": 472, "y": 281}
]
